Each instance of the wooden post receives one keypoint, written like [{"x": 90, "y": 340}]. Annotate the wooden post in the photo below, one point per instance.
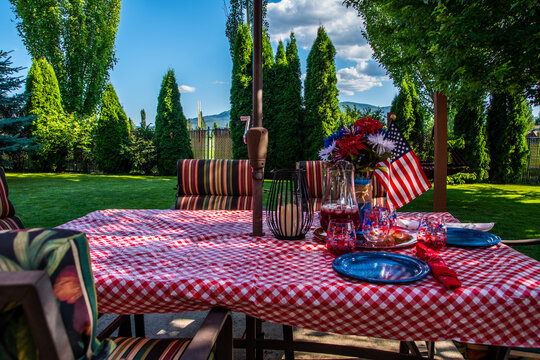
[
  {"x": 441, "y": 152},
  {"x": 258, "y": 174}
]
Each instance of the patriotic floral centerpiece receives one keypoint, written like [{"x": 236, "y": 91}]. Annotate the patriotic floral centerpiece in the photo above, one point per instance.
[{"x": 362, "y": 143}]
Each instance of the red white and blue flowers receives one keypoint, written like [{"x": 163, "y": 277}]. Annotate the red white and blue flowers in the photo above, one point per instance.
[{"x": 362, "y": 143}]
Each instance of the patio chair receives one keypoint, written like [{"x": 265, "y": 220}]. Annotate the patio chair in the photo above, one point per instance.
[
  {"x": 315, "y": 177},
  {"x": 214, "y": 185},
  {"x": 8, "y": 220},
  {"x": 48, "y": 307}
]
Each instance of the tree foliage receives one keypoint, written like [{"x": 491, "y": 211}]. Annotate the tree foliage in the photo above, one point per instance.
[
  {"x": 322, "y": 107},
  {"x": 51, "y": 126},
  {"x": 474, "y": 46},
  {"x": 469, "y": 126},
  {"x": 409, "y": 113},
  {"x": 77, "y": 38},
  {"x": 240, "y": 12},
  {"x": 507, "y": 121},
  {"x": 13, "y": 137},
  {"x": 172, "y": 137},
  {"x": 112, "y": 133},
  {"x": 241, "y": 90}
]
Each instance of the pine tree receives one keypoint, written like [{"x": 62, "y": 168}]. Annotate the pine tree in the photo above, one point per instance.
[
  {"x": 270, "y": 103},
  {"x": 469, "y": 125},
  {"x": 321, "y": 95},
  {"x": 241, "y": 90},
  {"x": 417, "y": 130},
  {"x": 112, "y": 133},
  {"x": 294, "y": 98},
  {"x": 143, "y": 118},
  {"x": 402, "y": 106},
  {"x": 506, "y": 125},
  {"x": 13, "y": 140},
  {"x": 51, "y": 126},
  {"x": 172, "y": 137}
]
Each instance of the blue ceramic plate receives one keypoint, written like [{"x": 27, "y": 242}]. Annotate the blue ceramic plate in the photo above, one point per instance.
[
  {"x": 470, "y": 238},
  {"x": 381, "y": 267}
]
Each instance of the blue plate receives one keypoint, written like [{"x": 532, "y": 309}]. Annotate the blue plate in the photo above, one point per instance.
[
  {"x": 470, "y": 238},
  {"x": 381, "y": 267}
]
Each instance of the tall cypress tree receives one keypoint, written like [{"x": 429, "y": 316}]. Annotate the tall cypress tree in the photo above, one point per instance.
[
  {"x": 322, "y": 105},
  {"x": 469, "y": 125},
  {"x": 506, "y": 125},
  {"x": 270, "y": 103},
  {"x": 294, "y": 97},
  {"x": 13, "y": 138},
  {"x": 112, "y": 132},
  {"x": 172, "y": 136},
  {"x": 51, "y": 125},
  {"x": 241, "y": 90},
  {"x": 418, "y": 113},
  {"x": 402, "y": 106}
]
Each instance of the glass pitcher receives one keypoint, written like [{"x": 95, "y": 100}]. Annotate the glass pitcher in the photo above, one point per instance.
[{"x": 339, "y": 200}]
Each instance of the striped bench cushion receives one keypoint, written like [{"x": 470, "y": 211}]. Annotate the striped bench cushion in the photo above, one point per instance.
[
  {"x": 145, "y": 349},
  {"x": 213, "y": 202},
  {"x": 214, "y": 177},
  {"x": 315, "y": 178},
  {"x": 214, "y": 185}
]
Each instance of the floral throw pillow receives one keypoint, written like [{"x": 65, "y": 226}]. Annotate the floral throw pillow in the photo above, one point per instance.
[{"x": 64, "y": 255}]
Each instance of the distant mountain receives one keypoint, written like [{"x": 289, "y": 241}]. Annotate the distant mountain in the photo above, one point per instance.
[
  {"x": 360, "y": 106},
  {"x": 222, "y": 119}
]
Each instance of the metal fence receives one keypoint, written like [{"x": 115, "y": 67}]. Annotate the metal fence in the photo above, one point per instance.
[
  {"x": 211, "y": 143},
  {"x": 533, "y": 161}
]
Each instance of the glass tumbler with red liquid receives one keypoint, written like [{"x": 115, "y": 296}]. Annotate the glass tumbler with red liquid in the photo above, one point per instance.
[
  {"x": 340, "y": 212},
  {"x": 340, "y": 236},
  {"x": 432, "y": 232}
]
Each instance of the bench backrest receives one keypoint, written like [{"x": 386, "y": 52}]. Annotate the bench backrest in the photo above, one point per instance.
[
  {"x": 214, "y": 184},
  {"x": 315, "y": 178}
]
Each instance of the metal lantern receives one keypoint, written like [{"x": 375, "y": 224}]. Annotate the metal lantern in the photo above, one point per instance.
[{"x": 289, "y": 209}]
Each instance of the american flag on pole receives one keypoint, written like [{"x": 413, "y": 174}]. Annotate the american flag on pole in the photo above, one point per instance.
[{"x": 404, "y": 179}]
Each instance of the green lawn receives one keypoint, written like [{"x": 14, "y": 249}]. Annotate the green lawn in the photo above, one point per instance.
[{"x": 48, "y": 200}]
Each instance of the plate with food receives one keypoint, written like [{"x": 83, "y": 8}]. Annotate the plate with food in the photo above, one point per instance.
[{"x": 398, "y": 238}]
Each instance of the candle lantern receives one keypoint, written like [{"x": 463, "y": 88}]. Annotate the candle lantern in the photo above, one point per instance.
[{"x": 289, "y": 209}]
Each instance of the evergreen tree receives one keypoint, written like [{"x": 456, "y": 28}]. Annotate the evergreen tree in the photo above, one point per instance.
[
  {"x": 469, "y": 125},
  {"x": 143, "y": 118},
  {"x": 294, "y": 97},
  {"x": 270, "y": 103},
  {"x": 238, "y": 13},
  {"x": 112, "y": 133},
  {"x": 241, "y": 90},
  {"x": 321, "y": 95},
  {"x": 172, "y": 137},
  {"x": 417, "y": 130},
  {"x": 51, "y": 126},
  {"x": 402, "y": 106},
  {"x": 13, "y": 140},
  {"x": 506, "y": 127}
]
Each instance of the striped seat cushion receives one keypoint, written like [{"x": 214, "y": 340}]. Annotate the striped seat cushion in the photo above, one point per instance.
[
  {"x": 11, "y": 223},
  {"x": 144, "y": 349},
  {"x": 214, "y": 184},
  {"x": 7, "y": 219},
  {"x": 213, "y": 202},
  {"x": 314, "y": 177}
]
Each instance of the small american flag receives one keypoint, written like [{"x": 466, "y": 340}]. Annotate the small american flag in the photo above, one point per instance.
[{"x": 404, "y": 179}]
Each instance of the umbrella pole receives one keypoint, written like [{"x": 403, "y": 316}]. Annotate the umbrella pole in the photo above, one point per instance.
[{"x": 258, "y": 174}]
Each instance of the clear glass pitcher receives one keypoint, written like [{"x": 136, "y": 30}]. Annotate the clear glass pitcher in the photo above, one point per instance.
[{"x": 339, "y": 200}]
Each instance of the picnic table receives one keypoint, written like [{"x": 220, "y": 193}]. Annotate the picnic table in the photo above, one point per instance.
[{"x": 169, "y": 261}]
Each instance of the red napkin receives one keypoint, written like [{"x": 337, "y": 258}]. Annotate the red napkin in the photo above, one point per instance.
[{"x": 440, "y": 270}]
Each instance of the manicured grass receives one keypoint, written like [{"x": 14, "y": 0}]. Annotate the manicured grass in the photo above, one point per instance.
[{"x": 48, "y": 200}]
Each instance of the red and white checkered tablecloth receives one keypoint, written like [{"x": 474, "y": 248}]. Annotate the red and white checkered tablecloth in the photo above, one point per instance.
[{"x": 166, "y": 261}]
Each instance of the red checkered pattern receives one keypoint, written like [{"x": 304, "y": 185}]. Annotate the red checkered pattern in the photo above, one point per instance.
[{"x": 160, "y": 261}]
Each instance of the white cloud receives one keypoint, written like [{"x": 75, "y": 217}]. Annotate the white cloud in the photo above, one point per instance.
[
  {"x": 186, "y": 89},
  {"x": 218, "y": 82},
  {"x": 303, "y": 17},
  {"x": 354, "y": 79}
]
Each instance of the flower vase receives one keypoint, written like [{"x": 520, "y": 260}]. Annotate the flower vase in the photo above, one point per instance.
[{"x": 363, "y": 189}]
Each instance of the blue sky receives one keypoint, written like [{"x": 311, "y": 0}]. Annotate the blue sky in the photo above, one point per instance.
[{"x": 189, "y": 37}]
